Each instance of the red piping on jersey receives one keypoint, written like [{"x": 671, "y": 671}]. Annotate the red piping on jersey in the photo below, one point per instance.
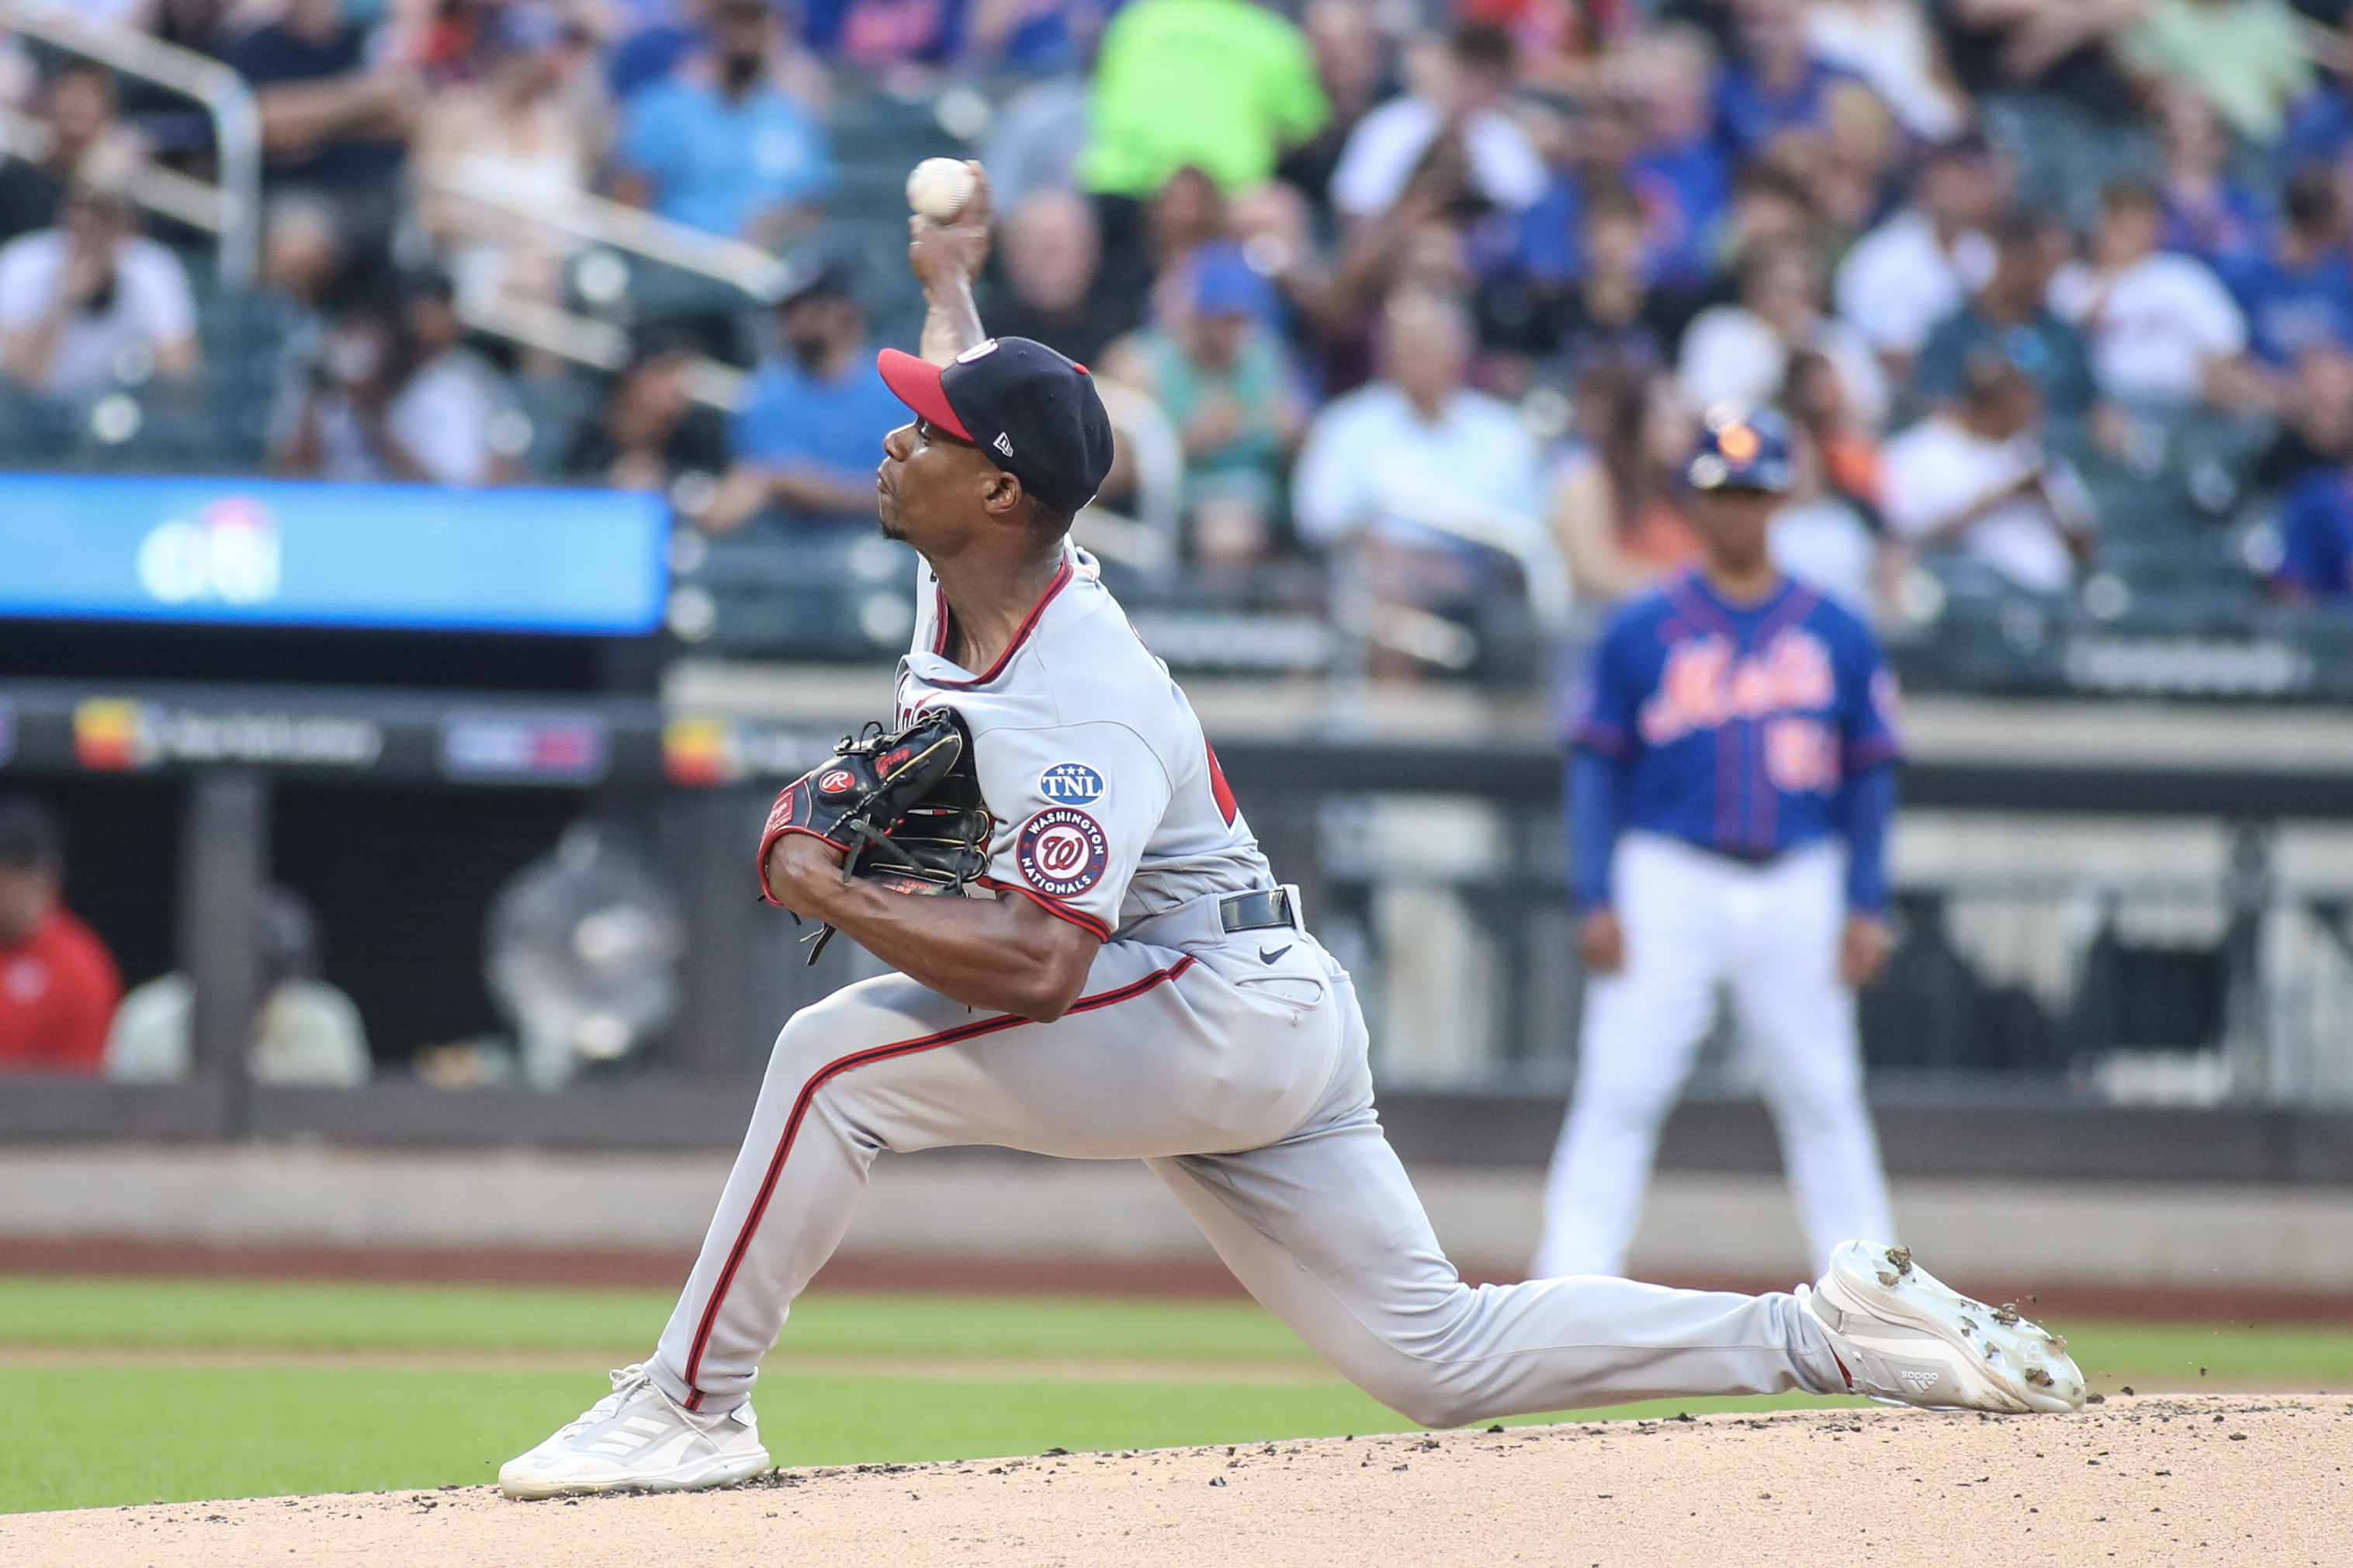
[
  {"x": 1052, "y": 906},
  {"x": 834, "y": 1070},
  {"x": 1020, "y": 635}
]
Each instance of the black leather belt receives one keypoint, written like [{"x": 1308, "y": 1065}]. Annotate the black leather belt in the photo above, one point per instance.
[{"x": 1257, "y": 911}]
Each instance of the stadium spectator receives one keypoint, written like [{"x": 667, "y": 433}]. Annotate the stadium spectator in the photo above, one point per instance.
[
  {"x": 1846, "y": 451},
  {"x": 1049, "y": 277},
  {"x": 2316, "y": 419},
  {"x": 77, "y": 114},
  {"x": 1889, "y": 44},
  {"x": 1035, "y": 141},
  {"x": 1677, "y": 169},
  {"x": 723, "y": 143},
  {"x": 334, "y": 122},
  {"x": 2208, "y": 212},
  {"x": 445, "y": 416},
  {"x": 649, "y": 434},
  {"x": 59, "y": 985},
  {"x": 2246, "y": 57},
  {"x": 1775, "y": 85},
  {"x": 2057, "y": 50},
  {"x": 2315, "y": 526},
  {"x": 1033, "y": 37},
  {"x": 307, "y": 1031},
  {"x": 1977, "y": 479},
  {"x": 1389, "y": 465},
  {"x": 1914, "y": 269},
  {"x": 2319, "y": 127},
  {"x": 810, "y": 431},
  {"x": 1609, "y": 314},
  {"x": 1351, "y": 67},
  {"x": 1460, "y": 97},
  {"x": 2164, "y": 331},
  {"x": 92, "y": 301},
  {"x": 1854, "y": 168},
  {"x": 1740, "y": 354},
  {"x": 397, "y": 398},
  {"x": 1823, "y": 538},
  {"x": 1217, "y": 372},
  {"x": 1224, "y": 86},
  {"x": 2299, "y": 296},
  {"x": 652, "y": 38},
  {"x": 1771, "y": 209},
  {"x": 509, "y": 131},
  {"x": 1616, "y": 510},
  {"x": 2012, "y": 316}
]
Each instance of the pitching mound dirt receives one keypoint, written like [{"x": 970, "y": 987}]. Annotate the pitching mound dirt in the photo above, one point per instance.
[{"x": 2150, "y": 1480}]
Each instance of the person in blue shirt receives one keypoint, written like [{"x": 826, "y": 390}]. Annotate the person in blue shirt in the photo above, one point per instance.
[
  {"x": 810, "y": 431},
  {"x": 2299, "y": 295},
  {"x": 2009, "y": 319},
  {"x": 2209, "y": 214},
  {"x": 1677, "y": 170},
  {"x": 721, "y": 145},
  {"x": 1731, "y": 787},
  {"x": 2317, "y": 540},
  {"x": 1778, "y": 86}
]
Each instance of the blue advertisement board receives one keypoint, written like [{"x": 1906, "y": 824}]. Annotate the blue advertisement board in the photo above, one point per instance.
[{"x": 280, "y": 553}]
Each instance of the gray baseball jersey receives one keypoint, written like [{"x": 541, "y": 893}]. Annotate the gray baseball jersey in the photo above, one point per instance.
[{"x": 1232, "y": 1063}]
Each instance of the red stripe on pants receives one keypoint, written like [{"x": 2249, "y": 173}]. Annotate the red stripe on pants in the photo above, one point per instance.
[{"x": 834, "y": 1070}]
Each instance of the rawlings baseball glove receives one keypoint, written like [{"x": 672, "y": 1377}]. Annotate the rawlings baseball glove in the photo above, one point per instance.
[{"x": 905, "y": 809}]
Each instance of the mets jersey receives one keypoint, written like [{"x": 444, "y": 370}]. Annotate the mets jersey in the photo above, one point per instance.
[
  {"x": 1108, "y": 801},
  {"x": 1739, "y": 723}
]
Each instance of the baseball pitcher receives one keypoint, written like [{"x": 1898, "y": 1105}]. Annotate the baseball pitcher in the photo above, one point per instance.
[
  {"x": 1124, "y": 979},
  {"x": 1738, "y": 734}
]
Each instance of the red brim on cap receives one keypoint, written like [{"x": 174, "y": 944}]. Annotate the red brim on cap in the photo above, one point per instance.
[{"x": 916, "y": 383}]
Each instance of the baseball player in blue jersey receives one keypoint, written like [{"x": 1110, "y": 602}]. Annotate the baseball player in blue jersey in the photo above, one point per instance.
[
  {"x": 1729, "y": 796},
  {"x": 1128, "y": 982}
]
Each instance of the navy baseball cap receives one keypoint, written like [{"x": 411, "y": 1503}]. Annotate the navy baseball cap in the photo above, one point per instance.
[
  {"x": 1741, "y": 448},
  {"x": 1035, "y": 414}
]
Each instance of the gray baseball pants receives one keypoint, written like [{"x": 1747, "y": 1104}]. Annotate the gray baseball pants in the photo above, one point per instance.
[{"x": 1235, "y": 1068}]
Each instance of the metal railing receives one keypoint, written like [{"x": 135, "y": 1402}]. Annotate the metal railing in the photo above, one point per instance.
[
  {"x": 234, "y": 211},
  {"x": 578, "y": 214}
]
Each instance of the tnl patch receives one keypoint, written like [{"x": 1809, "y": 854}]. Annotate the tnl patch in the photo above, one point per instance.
[{"x": 1070, "y": 783}]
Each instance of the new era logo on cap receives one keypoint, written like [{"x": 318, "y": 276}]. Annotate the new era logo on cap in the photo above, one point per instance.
[{"x": 1035, "y": 412}]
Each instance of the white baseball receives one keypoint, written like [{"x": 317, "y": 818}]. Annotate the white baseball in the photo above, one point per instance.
[{"x": 939, "y": 187}]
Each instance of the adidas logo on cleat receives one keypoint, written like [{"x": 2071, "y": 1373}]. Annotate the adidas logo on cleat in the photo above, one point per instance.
[{"x": 1920, "y": 1378}]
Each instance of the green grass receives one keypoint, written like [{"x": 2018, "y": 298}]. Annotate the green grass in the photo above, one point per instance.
[
  {"x": 102, "y": 1434},
  {"x": 213, "y": 1314}
]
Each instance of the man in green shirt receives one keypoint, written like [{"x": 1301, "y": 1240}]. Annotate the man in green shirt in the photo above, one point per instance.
[
  {"x": 1220, "y": 84},
  {"x": 2246, "y": 57}
]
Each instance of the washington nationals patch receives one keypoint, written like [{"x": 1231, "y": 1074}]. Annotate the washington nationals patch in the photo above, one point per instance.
[{"x": 1062, "y": 851}]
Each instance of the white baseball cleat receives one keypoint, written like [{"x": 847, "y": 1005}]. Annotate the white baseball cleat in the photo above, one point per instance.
[
  {"x": 638, "y": 1439},
  {"x": 1904, "y": 1337}
]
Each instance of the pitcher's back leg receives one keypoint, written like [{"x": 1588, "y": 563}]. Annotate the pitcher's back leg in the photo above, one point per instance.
[{"x": 1326, "y": 1230}]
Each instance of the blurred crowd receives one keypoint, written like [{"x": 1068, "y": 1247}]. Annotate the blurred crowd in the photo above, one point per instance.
[{"x": 1443, "y": 289}]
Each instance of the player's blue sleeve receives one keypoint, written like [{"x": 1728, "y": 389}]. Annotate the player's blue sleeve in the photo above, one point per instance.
[
  {"x": 1596, "y": 810},
  {"x": 1866, "y": 804},
  {"x": 1869, "y": 733},
  {"x": 1608, "y": 709}
]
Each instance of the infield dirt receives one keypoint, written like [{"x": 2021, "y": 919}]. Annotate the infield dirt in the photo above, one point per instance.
[{"x": 2145, "y": 1480}]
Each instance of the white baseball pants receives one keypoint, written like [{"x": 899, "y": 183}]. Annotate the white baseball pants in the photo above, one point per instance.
[
  {"x": 1692, "y": 920},
  {"x": 1235, "y": 1068}
]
